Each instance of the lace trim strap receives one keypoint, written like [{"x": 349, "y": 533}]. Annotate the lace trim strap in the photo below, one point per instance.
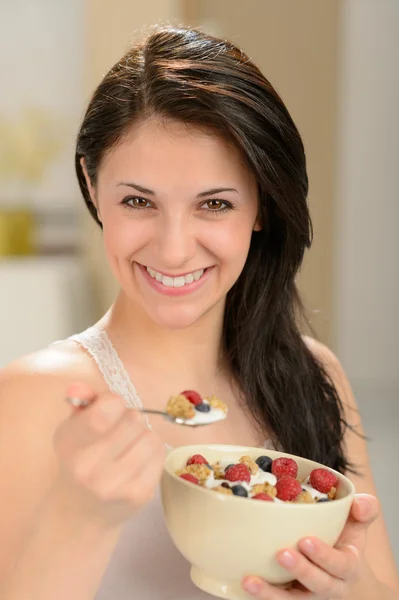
[{"x": 97, "y": 343}]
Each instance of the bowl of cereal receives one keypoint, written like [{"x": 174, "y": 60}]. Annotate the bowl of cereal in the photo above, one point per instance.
[{"x": 230, "y": 509}]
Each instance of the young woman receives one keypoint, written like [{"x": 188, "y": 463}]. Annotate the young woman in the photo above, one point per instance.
[{"x": 190, "y": 163}]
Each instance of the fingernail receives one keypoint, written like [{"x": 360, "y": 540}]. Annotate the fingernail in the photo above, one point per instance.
[
  {"x": 77, "y": 402},
  {"x": 253, "y": 585},
  {"x": 286, "y": 558},
  {"x": 353, "y": 549},
  {"x": 308, "y": 545}
]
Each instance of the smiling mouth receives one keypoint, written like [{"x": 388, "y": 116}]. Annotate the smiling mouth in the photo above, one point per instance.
[{"x": 176, "y": 282}]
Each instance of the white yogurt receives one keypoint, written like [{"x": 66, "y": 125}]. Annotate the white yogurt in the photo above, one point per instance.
[{"x": 213, "y": 416}]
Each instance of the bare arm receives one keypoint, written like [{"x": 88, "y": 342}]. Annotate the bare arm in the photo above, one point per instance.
[
  {"x": 64, "y": 557},
  {"x": 45, "y": 553},
  {"x": 60, "y": 521}
]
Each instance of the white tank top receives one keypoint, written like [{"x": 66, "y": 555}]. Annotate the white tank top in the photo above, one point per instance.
[{"x": 145, "y": 564}]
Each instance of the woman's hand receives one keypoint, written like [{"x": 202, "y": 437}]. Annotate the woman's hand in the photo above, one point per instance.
[
  {"x": 322, "y": 572},
  {"x": 110, "y": 463}
]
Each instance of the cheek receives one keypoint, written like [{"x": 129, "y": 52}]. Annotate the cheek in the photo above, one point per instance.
[
  {"x": 123, "y": 236},
  {"x": 230, "y": 242}
]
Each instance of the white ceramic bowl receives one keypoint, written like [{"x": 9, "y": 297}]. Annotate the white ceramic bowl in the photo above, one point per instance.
[{"x": 226, "y": 537}]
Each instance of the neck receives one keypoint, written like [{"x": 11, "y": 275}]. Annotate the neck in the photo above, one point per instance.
[{"x": 194, "y": 350}]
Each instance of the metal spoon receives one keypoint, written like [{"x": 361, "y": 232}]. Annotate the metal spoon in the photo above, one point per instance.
[{"x": 79, "y": 403}]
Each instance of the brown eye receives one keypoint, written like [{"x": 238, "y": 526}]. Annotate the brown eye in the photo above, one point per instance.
[
  {"x": 136, "y": 202},
  {"x": 215, "y": 204}
]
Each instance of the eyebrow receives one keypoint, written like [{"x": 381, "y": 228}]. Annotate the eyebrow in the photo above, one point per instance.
[{"x": 210, "y": 192}]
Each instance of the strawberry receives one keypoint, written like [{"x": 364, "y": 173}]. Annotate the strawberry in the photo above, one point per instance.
[
  {"x": 197, "y": 459},
  {"x": 192, "y": 396},
  {"x": 263, "y": 496},
  {"x": 288, "y": 488},
  {"x": 323, "y": 480},
  {"x": 189, "y": 477},
  {"x": 238, "y": 472},
  {"x": 284, "y": 466}
]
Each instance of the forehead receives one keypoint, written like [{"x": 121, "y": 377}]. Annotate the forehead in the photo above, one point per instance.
[{"x": 160, "y": 151}]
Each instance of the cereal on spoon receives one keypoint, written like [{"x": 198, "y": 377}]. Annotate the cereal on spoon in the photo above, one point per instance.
[{"x": 189, "y": 405}]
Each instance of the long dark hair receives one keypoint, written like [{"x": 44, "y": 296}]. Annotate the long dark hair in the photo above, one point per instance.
[{"x": 186, "y": 75}]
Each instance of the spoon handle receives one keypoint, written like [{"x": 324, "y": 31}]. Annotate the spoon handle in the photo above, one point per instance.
[{"x": 79, "y": 403}]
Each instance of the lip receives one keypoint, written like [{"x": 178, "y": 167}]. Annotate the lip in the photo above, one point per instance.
[{"x": 189, "y": 288}]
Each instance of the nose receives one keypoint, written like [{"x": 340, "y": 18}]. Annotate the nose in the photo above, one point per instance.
[{"x": 175, "y": 243}]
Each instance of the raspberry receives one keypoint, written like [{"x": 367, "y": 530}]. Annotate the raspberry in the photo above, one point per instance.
[
  {"x": 189, "y": 477},
  {"x": 238, "y": 473},
  {"x": 263, "y": 496},
  {"x": 197, "y": 459},
  {"x": 284, "y": 466},
  {"x": 288, "y": 488},
  {"x": 194, "y": 397},
  {"x": 323, "y": 480}
]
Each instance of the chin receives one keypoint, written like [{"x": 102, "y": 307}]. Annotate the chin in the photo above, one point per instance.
[{"x": 175, "y": 318}]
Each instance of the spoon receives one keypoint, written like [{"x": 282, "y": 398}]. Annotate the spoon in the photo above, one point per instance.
[{"x": 79, "y": 403}]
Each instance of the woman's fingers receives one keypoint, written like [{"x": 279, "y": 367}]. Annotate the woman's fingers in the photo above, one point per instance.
[
  {"x": 134, "y": 474},
  {"x": 117, "y": 441},
  {"x": 86, "y": 426},
  {"x": 339, "y": 562},
  {"x": 316, "y": 577},
  {"x": 261, "y": 590},
  {"x": 321, "y": 570}
]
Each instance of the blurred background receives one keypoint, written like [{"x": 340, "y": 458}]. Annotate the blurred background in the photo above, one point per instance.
[{"x": 335, "y": 64}]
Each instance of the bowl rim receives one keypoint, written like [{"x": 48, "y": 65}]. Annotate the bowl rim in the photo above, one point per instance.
[{"x": 228, "y": 498}]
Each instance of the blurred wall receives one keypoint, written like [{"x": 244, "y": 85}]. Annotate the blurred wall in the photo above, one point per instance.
[{"x": 366, "y": 277}]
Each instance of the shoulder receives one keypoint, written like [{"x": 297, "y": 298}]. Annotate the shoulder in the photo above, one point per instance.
[
  {"x": 321, "y": 353},
  {"x": 44, "y": 375},
  {"x": 333, "y": 369}
]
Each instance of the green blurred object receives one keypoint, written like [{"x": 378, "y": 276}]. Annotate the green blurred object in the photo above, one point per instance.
[{"x": 17, "y": 230}]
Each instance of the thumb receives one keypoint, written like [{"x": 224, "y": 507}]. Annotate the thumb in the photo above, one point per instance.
[
  {"x": 79, "y": 395},
  {"x": 364, "y": 511},
  {"x": 365, "y": 508}
]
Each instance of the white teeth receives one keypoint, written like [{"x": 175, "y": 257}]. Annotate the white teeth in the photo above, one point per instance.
[
  {"x": 168, "y": 281},
  {"x": 179, "y": 282},
  {"x": 198, "y": 274},
  {"x": 176, "y": 281}
]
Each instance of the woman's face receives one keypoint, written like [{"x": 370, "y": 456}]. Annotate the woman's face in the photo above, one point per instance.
[{"x": 178, "y": 208}]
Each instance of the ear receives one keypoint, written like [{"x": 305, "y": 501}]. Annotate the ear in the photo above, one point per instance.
[
  {"x": 258, "y": 226},
  {"x": 91, "y": 189}
]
